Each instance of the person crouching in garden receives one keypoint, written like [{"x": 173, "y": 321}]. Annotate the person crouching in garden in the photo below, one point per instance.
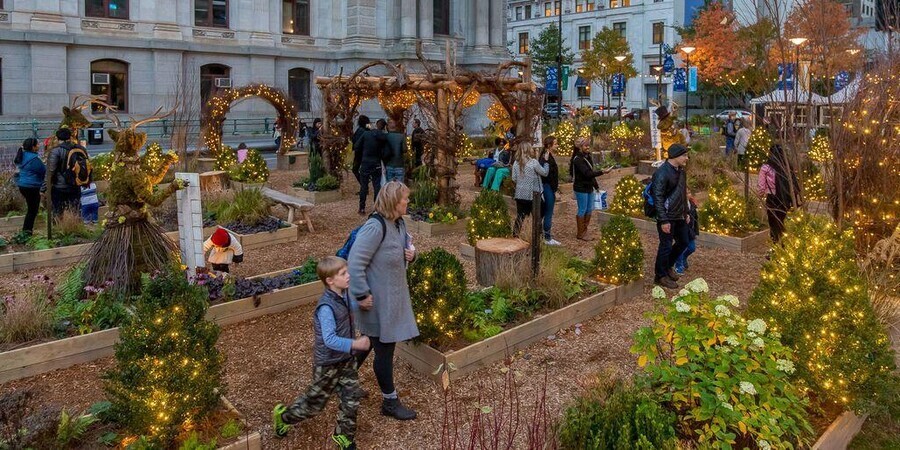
[
  {"x": 335, "y": 367},
  {"x": 224, "y": 248},
  {"x": 377, "y": 260},
  {"x": 526, "y": 173},
  {"x": 584, "y": 183},
  {"x": 551, "y": 186}
]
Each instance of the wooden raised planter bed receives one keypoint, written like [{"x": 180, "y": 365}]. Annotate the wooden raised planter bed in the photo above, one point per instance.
[
  {"x": 466, "y": 250},
  {"x": 13, "y": 224},
  {"x": 318, "y": 197},
  {"x": 265, "y": 238},
  {"x": 840, "y": 432},
  {"x": 456, "y": 364},
  {"x": 744, "y": 244},
  {"x": 435, "y": 229},
  {"x": 42, "y": 358},
  {"x": 300, "y": 161}
]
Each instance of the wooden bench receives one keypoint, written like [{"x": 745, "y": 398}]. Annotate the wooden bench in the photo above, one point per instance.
[{"x": 294, "y": 205}]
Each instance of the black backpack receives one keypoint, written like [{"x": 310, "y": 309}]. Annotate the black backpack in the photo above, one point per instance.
[{"x": 77, "y": 170}]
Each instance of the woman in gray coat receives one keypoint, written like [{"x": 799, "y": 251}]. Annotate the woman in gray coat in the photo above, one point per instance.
[{"x": 377, "y": 262}]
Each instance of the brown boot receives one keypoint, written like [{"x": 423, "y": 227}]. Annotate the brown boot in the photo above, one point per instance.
[
  {"x": 579, "y": 221},
  {"x": 586, "y": 223}
]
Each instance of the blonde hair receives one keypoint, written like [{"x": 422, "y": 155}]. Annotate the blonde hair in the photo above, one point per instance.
[
  {"x": 524, "y": 152},
  {"x": 388, "y": 199},
  {"x": 329, "y": 267}
]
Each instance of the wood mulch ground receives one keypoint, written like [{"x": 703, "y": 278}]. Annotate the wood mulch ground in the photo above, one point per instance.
[{"x": 269, "y": 358}]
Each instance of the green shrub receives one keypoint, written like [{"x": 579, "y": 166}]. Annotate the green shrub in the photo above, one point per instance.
[
  {"x": 425, "y": 190},
  {"x": 813, "y": 184},
  {"x": 758, "y": 148},
  {"x": 705, "y": 169},
  {"x": 812, "y": 292},
  {"x": 489, "y": 217},
  {"x": 168, "y": 370},
  {"x": 102, "y": 166},
  {"x": 619, "y": 254},
  {"x": 629, "y": 199},
  {"x": 72, "y": 427},
  {"x": 444, "y": 214},
  {"x": 489, "y": 310},
  {"x": 94, "y": 308},
  {"x": 438, "y": 289},
  {"x": 726, "y": 212},
  {"x": 248, "y": 207},
  {"x": 328, "y": 183},
  {"x": 316, "y": 167},
  {"x": 728, "y": 378},
  {"x": 252, "y": 170},
  {"x": 558, "y": 282},
  {"x": 616, "y": 415}
]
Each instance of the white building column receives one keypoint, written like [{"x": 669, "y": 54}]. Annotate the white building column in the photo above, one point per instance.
[
  {"x": 408, "y": 19},
  {"x": 482, "y": 23},
  {"x": 497, "y": 23},
  {"x": 426, "y": 20}
]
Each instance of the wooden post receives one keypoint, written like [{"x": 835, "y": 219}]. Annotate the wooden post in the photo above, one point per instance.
[{"x": 537, "y": 234}]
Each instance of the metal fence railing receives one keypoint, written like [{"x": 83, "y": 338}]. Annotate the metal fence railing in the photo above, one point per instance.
[{"x": 15, "y": 132}]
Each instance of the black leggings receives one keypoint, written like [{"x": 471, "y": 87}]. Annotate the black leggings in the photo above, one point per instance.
[
  {"x": 523, "y": 209},
  {"x": 33, "y": 200},
  {"x": 383, "y": 365}
]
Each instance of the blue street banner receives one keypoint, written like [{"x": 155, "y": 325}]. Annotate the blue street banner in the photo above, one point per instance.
[
  {"x": 679, "y": 80},
  {"x": 551, "y": 81},
  {"x": 618, "y": 84},
  {"x": 841, "y": 80},
  {"x": 692, "y": 79},
  {"x": 669, "y": 64},
  {"x": 580, "y": 82},
  {"x": 785, "y": 76}
]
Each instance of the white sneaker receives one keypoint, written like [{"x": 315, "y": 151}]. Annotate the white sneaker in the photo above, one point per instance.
[{"x": 553, "y": 242}]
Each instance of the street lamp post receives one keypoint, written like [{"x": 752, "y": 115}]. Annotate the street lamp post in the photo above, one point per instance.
[
  {"x": 687, "y": 91},
  {"x": 797, "y": 41},
  {"x": 620, "y": 58}
]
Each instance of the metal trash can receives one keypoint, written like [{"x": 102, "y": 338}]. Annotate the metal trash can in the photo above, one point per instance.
[{"x": 95, "y": 133}]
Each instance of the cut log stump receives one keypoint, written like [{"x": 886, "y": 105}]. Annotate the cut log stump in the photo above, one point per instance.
[
  {"x": 500, "y": 254},
  {"x": 213, "y": 181}
]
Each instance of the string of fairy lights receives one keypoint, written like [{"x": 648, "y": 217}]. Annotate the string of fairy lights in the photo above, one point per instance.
[
  {"x": 619, "y": 254},
  {"x": 218, "y": 107}
]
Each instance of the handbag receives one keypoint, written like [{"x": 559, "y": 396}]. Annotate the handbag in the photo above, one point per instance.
[{"x": 600, "y": 203}]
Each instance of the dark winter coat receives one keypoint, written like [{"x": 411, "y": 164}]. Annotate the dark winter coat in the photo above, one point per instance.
[
  {"x": 670, "y": 193},
  {"x": 582, "y": 169},
  {"x": 552, "y": 177},
  {"x": 56, "y": 167},
  {"x": 373, "y": 143},
  {"x": 357, "y": 148}
]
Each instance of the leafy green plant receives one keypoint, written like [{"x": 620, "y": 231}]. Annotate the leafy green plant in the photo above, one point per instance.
[
  {"x": 437, "y": 284},
  {"x": 629, "y": 199},
  {"x": 726, "y": 212},
  {"x": 195, "y": 442},
  {"x": 812, "y": 292},
  {"x": 168, "y": 370},
  {"x": 98, "y": 308},
  {"x": 489, "y": 217},
  {"x": 231, "y": 429},
  {"x": 316, "y": 167},
  {"x": 617, "y": 415},
  {"x": 252, "y": 170},
  {"x": 72, "y": 428},
  {"x": 425, "y": 190},
  {"x": 248, "y": 207},
  {"x": 558, "y": 282},
  {"x": 306, "y": 273},
  {"x": 328, "y": 183},
  {"x": 619, "y": 254},
  {"x": 444, "y": 214},
  {"x": 101, "y": 166},
  {"x": 727, "y": 378}
]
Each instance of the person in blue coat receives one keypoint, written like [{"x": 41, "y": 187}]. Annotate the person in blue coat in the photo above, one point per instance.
[{"x": 29, "y": 179}]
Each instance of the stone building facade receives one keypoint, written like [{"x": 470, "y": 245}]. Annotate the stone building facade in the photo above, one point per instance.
[{"x": 138, "y": 52}]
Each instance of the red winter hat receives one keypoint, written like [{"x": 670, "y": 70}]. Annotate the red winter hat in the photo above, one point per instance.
[{"x": 221, "y": 238}]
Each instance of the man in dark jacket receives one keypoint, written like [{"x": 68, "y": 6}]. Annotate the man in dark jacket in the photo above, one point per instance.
[
  {"x": 670, "y": 200},
  {"x": 418, "y": 141},
  {"x": 394, "y": 164},
  {"x": 63, "y": 194},
  {"x": 362, "y": 125},
  {"x": 373, "y": 143}
]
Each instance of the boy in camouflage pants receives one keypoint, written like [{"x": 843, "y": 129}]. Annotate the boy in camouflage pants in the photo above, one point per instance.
[{"x": 335, "y": 366}]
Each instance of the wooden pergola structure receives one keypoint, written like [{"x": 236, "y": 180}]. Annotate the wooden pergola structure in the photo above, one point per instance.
[{"x": 441, "y": 92}]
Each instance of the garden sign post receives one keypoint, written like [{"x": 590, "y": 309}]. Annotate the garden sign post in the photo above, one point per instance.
[{"x": 190, "y": 222}]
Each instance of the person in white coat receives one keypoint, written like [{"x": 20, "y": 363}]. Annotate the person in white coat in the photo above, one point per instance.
[{"x": 224, "y": 248}]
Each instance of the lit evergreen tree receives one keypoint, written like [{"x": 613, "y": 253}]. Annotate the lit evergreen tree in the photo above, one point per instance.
[
  {"x": 629, "y": 198},
  {"x": 619, "y": 255},
  {"x": 437, "y": 285},
  {"x": 489, "y": 217}
]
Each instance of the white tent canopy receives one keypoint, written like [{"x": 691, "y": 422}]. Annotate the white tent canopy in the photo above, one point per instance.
[
  {"x": 782, "y": 96},
  {"x": 846, "y": 94}
]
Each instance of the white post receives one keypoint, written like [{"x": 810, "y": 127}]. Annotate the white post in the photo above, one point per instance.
[
  {"x": 190, "y": 222},
  {"x": 655, "y": 135}
]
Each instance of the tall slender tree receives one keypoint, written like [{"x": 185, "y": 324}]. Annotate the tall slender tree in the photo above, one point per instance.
[
  {"x": 600, "y": 64},
  {"x": 544, "y": 50}
]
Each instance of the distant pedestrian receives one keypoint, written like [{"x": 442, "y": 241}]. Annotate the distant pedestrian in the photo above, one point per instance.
[
  {"x": 584, "y": 184},
  {"x": 90, "y": 203},
  {"x": 777, "y": 184},
  {"x": 526, "y": 173},
  {"x": 729, "y": 130},
  {"x": 395, "y": 147},
  {"x": 669, "y": 191},
  {"x": 302, "y": 134},
  {"x": 276, "y": 133},
  {"x": 742, "y": 138},
  {"x": 681, "y": 264},
  {"x": 370, "y": 169},
  {"x": 242, "y": 151},
  {"x": 67, "y": 170},
  {"x": 418, "y": 141},
  {"x": 685, "y": 132},
  {"x": 362, "y": 125},
  {"x": 551, "y": 188},
  {"x": 29, "y": 179},
  {"x": 315, "y": 144}
]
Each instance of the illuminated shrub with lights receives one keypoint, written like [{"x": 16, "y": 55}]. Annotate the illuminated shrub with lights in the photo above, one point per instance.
[
  {"x": 619, "y": 255},
  {"x": 811, "y": 291},
  {"x": 437, "y": 285},
  {"x": 489, "y": 217},
  {"x": 758, "y": 148},
  {"x": 101, "y": 166},
  {"x": 726, "y": 211},
  {"x": 168, "y": 371},
  {"x": 820, "y": 148},
  {"x": 629, "y": 199},
  {"x": 813, "y": 184},
  {"x": 157, "y": 162},
  {"x": 252, "y": 170},
  {"x": 226, "y": 159},
  {"x": 565, "y": 136}
]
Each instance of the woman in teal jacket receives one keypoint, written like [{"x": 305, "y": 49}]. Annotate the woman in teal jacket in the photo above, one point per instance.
[{"x": 29, "y": 179}]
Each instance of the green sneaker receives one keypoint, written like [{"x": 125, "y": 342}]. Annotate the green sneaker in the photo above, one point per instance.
[
  {"x": 281, "y": 428},
  {"x": 343, "y": 442}
]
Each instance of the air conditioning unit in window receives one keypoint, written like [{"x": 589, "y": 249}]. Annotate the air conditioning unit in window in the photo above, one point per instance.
[
  {"x": 100, "y": 78},
  {"x": 223, "y": 82}
]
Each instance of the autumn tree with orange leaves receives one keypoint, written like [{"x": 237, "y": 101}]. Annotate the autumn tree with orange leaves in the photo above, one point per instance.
[
  {"x": 832, "y": 41},
  {"x": 714, "y": 35}
]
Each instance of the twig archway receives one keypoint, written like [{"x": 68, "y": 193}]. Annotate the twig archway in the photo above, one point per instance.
[{"x": 219, "y": 106}]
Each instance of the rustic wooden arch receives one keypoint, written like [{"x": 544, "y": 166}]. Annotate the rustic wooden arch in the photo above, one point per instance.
[{"x": 218, "y": 107}]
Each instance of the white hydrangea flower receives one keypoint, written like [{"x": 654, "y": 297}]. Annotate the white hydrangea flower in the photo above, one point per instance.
[
  {"x": 732, "y": 341},
  {"x": 764, "y": 445},
  {"x": 727, "y": 406},
  {"x": 758, "y": 343},
  {"x": 684, "y": 292},
  {"x": 730, "y": 322},
  {"x": 757, "y": 325},
  {"x": 785, "y": 366},
  {"x": 698, "y": 285},
  {"x": 722, "y": 311},
  {"x": 730, "y": 299},
  {"x": 751, "y": 334},
  {"x": 747, "y": 388},
  {"x": 658, "y": 293},
  {"x": 682, "y": 307}
]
